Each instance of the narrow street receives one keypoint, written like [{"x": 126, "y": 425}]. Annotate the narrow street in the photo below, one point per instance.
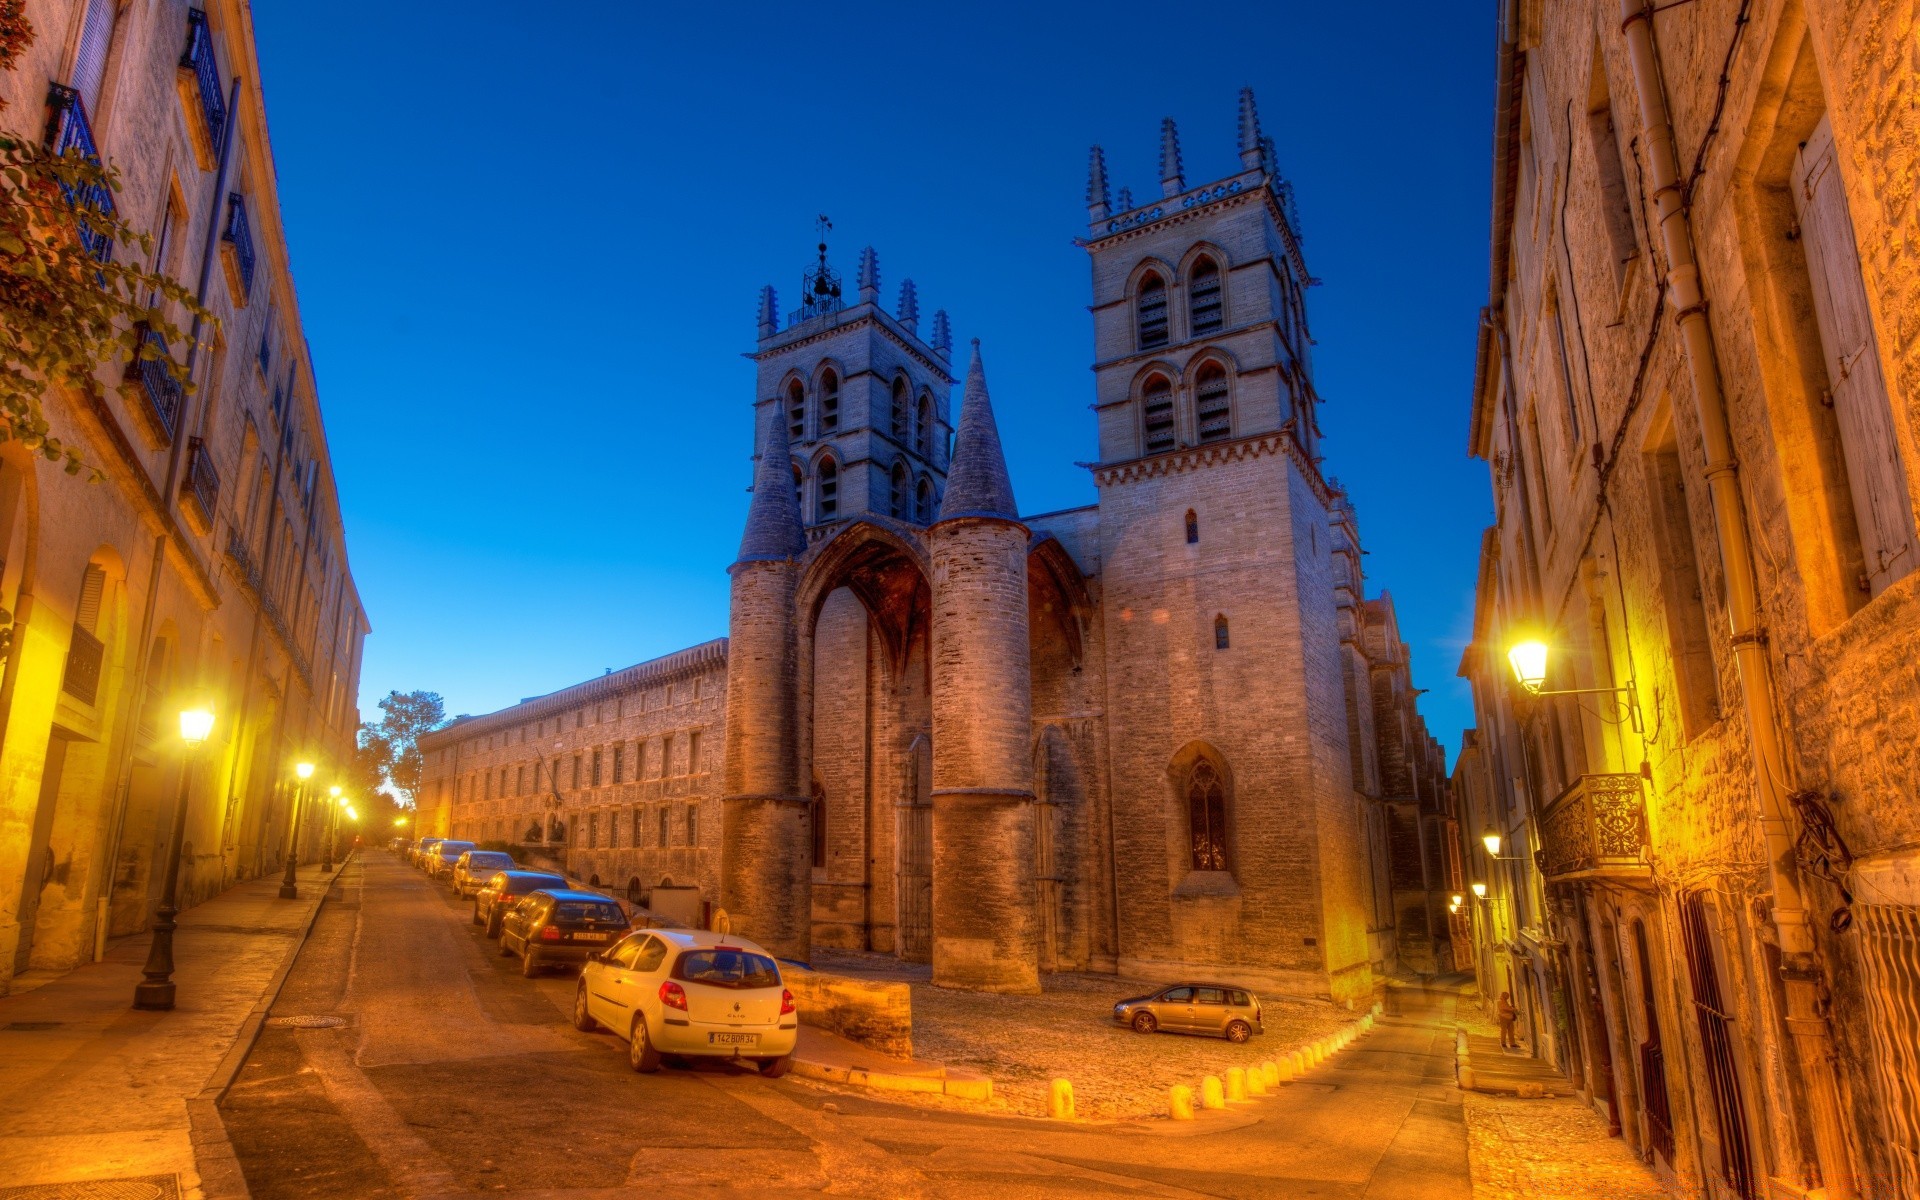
[{"x": 427, "y": 1066}]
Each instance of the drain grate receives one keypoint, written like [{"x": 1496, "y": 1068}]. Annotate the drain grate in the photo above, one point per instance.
[
  {"x": 301, "y": 1022},
  {"x": 139, "y": 1187},
  {"x": 30, "y": 1027}
]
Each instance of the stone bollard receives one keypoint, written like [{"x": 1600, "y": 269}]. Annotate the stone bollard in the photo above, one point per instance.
[
  {"x": 1237, "y": 1084},
  {"x": 1180, "y": 1102},
  {"x": 1060, "y": 1100},
  {"x": 1366, "y": 1022},
  {"x": 1465, "y": 1077},
  {"x": 1256, "y": 1080},
  {"x": 1297, "y": 1063},
  {"x": 1379, "y": 1009},
  {"x": 1212, "y": 1095},
  {"x": 1270, "y": 1072}
]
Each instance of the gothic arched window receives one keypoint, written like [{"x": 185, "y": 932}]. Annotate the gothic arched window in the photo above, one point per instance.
[
  {"x": 1152, "y": 314},
  {"x": 796, "y": 412},
  {"x": 1212, "y": 407},
  {"x": 827, "y": 490},
  {"x": 829, "y": 403},
  {"x": 902, "y": 412},
  {"x": 923, "y": 503},
  {"x": 1207, "y": 817},
  {"x": 925, "y": 426},
  {"x": 1193, "y": 527},
  {"x": 897, "y": 492},
  {"x": 1220, "y": 633},
  {"x": 1203, "y": 298},
  {"x": 818, "y": 813},
  {"x": 799, "y": 486},
  {"x": 1156, "y": 412}
]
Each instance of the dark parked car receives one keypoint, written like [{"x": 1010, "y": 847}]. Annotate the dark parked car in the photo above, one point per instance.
[
  {"x": 445, "y": 854},
  {"x": 503, "y": 890},
  {"x": 473, "y": 868},
  {"x": 555, "y": 925},
  {"x": 1215, "y": 1009},
  {"x": 421, "y": 850}
]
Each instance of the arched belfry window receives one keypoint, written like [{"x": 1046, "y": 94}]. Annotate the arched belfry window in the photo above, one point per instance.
[
  {"x": 925, "y": 426},
  {"x": 1156, "y": 412},
  {"x": 827, "y": 490},
  {"x": 800, "y": 486},
  {"x": 923, "y": 503},
  {"x": 902, "y": 412},
  {"x": 1193, "y": 527},
  {"x": 796, "y": 411},
  {"x": 1152, "y": 313},
  {"x": 1203, "y": 298},
  {"x": 1207, "y": 817},
  {"x": 829, "y": 403},
  {"x": 1221, "y": 639},
  {"x": 897, "y": 492},
  {"x": 1212, "y": 405}
]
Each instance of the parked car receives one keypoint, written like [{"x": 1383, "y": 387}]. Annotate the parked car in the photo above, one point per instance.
[
  {"x": 421, "y": 849},
  {"x": 559, "y": 925},
  {"x": 440, "y": 861},
  {"x": 503, "y": 890},
  {"x": 472, "y": 869},
  {"x": 1214, "y": 1009},
  {"x": 690, "y": 992}
]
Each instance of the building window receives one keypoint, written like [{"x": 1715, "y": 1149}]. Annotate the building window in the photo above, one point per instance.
[
  {"x": 90, "y": 59},
  {"x": 693, "y": 753},
  {"x": 520, "y": 781},
  {"x": 619, "y": 754},
  {"x": 576, "y": 770},
  {"x": 924, "y": 425},
  {"x": 1890, "y": 960},
  {"x": 817, "y": 813},
  {"x": 1193, "y": 527},
  {"x": 596, "y": 768},
  {"x": 1615, "y": 202},
  {"x": 1684, "y": 605},
  {"x": 827, "y": 493},
  {"x": 1152, "y": 313},
  {"x": 829, "y": 403},
  {"x": 666, "y": 819},
  {"x": 902, "y": 412},
  {"x": 1207, "y": 817},
  {"x": 693, "y": 824},
  {"x": 486, "y": 790},
  {"x": 666, "y": 753},
  {"x": 593, "y": 830},
  {"x": 1212, "y": 409},
  {"x": 1156, "y": 407},
  {"x": 613, "y": 830},
  {"x": 897, "y": 492},
  {"x": 923, "y": 503},
  {"x": 1716, "y": 1044},
  {"x": 796, "y": 412},
  {"x": 639, "y": 826},
  {"x": 1220, "y": 633},
  {"x": 1203, "y": 298}
]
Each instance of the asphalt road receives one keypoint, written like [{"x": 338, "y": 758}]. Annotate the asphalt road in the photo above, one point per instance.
[{"x": 450, "y": 1075}]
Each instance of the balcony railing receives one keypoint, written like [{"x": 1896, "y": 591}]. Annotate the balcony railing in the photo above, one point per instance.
[
  {"x": 69, "y": 130},
  {"x": 1597, "y": 827},
  {"x": 82, "y": 678},
  {"x": 239, "y": 239},
  {"x": 202, "y": 488},
  {"x": 198, "y": 58},
  {"x": 153, "y": 373}
]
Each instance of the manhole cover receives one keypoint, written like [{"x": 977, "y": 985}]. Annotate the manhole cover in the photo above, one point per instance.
[
  {"x": 141, "y": 1187},
  {"x": 30, "y": 1027},
  {"x": 302, "y": 1022}
]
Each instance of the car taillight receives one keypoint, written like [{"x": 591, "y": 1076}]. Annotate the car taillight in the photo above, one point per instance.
[
  {"x": 786, "y": 1002},
  {"x": 549, "y": 934},
  {"x": 672, "y": 996}
]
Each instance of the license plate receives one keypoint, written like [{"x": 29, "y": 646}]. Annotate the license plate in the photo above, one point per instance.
[
  {"x": 733, "y": 1039},
  {"x": 590, "y": 937}
]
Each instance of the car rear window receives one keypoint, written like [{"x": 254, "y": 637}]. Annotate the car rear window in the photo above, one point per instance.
[
  {"x": 480, "y": 859},
  {"x": 726, "y": 967},
  {"x": 1240, "y": 999},
  {"x": 520, "y": 887},
  {"x": 587, "y": 910}
]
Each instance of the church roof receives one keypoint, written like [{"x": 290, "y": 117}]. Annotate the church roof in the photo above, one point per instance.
[
  {"x": 977, "y": 483},
  {"x": 773, "y": 529}
]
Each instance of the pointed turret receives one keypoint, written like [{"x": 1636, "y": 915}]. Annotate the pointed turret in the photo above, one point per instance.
[
  {"x": 977, "y": 483},
  {"x": 769, "y": 312},
  {"x": 869, "y": 276},
  {"x": 942, "y": 334},
  {"x": 1126, "y": 199},
  {"x": 1173, "y": 180},
  {"x": 1098, "y": 206},
  {"x": 1250, "y": 150},
  {"x": 909, "y": 311},
  {"x": 774, "y": 530}
]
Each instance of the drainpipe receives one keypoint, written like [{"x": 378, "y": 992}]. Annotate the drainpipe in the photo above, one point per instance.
[{"x": 1800, "y": 968}]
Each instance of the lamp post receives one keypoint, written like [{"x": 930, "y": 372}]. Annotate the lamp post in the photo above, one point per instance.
[
  {"x": 288, "y": 890},
  {"x": 156, "y": 990},
  {"x": 331, "y": 828}
]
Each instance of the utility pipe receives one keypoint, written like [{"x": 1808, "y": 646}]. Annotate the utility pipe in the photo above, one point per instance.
[{"x": 1800, "y": 968}]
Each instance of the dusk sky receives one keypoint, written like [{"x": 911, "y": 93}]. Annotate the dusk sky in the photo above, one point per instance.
[{"x": 528, "y": 252}]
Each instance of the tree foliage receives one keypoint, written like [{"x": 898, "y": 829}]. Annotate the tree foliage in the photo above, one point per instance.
[
  {"x": 65, "y": 313},
  {"x": 391, "y": 744}
]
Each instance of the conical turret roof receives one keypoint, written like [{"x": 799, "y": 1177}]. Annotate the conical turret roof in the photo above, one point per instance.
[
  {"x": 977, "y": 483},
  {"x": 773, "y": 529}
]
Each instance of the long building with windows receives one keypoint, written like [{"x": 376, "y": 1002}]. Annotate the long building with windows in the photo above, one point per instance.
[
  {"x": 208, "y": 564},
  {"x": 1162, "y": 732}
]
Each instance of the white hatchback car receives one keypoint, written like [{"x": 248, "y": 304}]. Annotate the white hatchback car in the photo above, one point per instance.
[{"x": 693, "y": 993}]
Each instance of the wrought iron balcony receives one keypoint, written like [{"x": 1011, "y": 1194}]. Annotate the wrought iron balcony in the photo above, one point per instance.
[
  {"x": 198, "y": 58},
  {"x": 238, "y": 240},
  {"x": 202, "y": 489},
  {"x": 152, "y": 372},
  {"x": 1597, "y": 828},
  {"x": 69, "y": 130},
  {"x": 82, "y": 678}
]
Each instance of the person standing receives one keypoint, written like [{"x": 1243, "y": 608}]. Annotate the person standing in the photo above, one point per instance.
[{"x": 1507, "y": 1015}]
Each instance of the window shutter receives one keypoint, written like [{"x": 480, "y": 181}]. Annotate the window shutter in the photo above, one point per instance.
[
  {"x": 1875, "y": 475},
  {"x": 90, "y": 60},
  {"x": 93, "y": 585}
]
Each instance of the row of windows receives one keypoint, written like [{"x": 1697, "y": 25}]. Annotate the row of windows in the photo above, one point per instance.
[
  {"x": 640, "y": 830},
  {"x": 614, "y": 710},
  {"x": 595, "y": 768},
  {"x": 1212, "y": 409},
  {"x": 1206, "y": 311},
  {"x": 911, "y": 423},
  {"x": 907, "y": 499}
]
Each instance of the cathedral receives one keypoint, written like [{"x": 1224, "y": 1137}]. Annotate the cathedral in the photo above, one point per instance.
[{"x": 1162, "y": 734}]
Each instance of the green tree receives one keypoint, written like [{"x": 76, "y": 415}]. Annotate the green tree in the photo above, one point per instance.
[
  {"x": 68, "y": 303},
  {"x": 392, "y": 742}
]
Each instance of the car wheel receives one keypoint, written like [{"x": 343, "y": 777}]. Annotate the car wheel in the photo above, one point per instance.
[
  {"x": 774, "y": 1068},
  {"x": 1143, "y": 1022},
  {"x": 529, "y": 962},
  {"x": 1238, "y": 1031},
  {"x": 641, "y": 1055},
  {"x": 582, "y": 1019},
  {"x": 476, "y": 913}
]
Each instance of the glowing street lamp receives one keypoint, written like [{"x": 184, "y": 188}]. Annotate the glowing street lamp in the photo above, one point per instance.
[
  {"x": 399, "y": 822},
  {"x": 330, "y": 825},
  {"x": 1479, "y": 891},
  {"x": 156, "y": 990},
  {"x": 1528, "y": 658},
  {"x": 303, "y": 771}
]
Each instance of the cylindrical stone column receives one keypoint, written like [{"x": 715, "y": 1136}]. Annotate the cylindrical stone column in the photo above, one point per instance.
[
  {"x": 766, "y": 877},
  {"x": 984, "y": 930}
]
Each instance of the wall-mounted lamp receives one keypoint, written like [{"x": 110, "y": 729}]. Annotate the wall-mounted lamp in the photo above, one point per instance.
[{"x": 1528, "y": 658}]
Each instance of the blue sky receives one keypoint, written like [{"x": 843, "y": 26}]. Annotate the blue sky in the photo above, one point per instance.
[{"x": 528, "y": 243}]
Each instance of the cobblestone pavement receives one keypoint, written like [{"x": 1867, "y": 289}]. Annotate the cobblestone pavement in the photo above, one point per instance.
[
  {"x": 1067, "y": 1031},
  {"x": 1550, "y": 1150}
]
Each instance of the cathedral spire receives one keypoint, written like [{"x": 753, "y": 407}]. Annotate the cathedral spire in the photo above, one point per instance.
[
  {"x": 942, "y": 334},
  {"x": 1126, "y": 199},
  {"x": 769, "y": 312},
  {"x": 909, "y": 311},
  {"x": 1250, "y": 150},
  {"x": 773, "y": 529},
  {"x": 1097, "y": 200},
  {"x": 977, "y": 483},
  {"x": 869, "y": 276},
  {"x": 1173, "y": 180}
]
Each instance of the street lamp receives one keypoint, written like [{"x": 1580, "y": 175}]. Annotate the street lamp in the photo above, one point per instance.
[
  {"x": 331, "y": 827},
  {"x": 156, "y": 990},
  {"x": 1528, "y": 658},
  {"x": 1479, "y": 891},
  {"x": 288, "y": 891}
]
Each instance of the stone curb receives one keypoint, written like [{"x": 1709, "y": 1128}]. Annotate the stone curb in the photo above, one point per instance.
[
  {"x": 963, "y": 1087},
  {"x": 213, "y": 1154}
]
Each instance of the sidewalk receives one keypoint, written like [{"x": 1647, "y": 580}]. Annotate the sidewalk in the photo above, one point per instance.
[{"x": 92, "y": 1089}]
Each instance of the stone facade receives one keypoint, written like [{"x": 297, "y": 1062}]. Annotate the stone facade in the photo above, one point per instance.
[
  {"x": 1697, "y": 394},
  {"x": 208, "y": 565},
  {"x": 1145, "y": 735}
]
